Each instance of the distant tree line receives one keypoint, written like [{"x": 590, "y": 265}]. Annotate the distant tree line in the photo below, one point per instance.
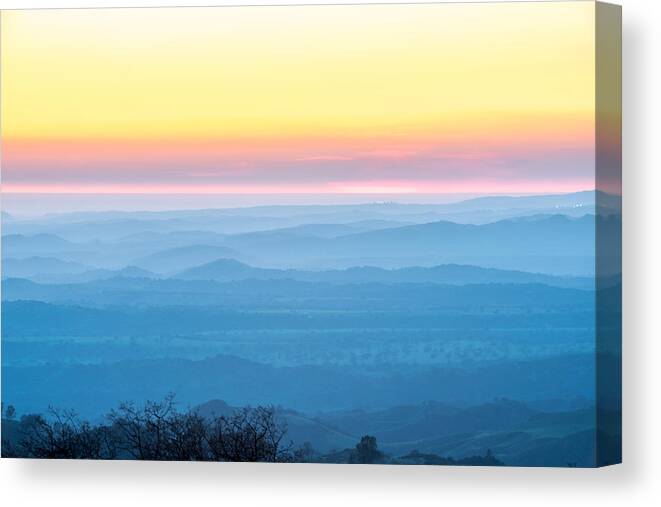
[
  {"x": 367, "y": 452},
  {"x": 418, "y": 458}
]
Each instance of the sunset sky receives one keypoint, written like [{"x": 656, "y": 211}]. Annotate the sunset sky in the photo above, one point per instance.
[{"x": 456, "y": 98}]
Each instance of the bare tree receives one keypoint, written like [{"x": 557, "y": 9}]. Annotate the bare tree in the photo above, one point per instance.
[
  {"x": 248, "y": 435},
  {"x": 157, "y": 431},
  {"x": 187, "y": 434},
  {"x": 63, "y": 436},
  {"x": 142, "y": 433}
]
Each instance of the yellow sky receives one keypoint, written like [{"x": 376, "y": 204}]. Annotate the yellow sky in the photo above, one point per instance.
[{"x": 317, "y": 70}]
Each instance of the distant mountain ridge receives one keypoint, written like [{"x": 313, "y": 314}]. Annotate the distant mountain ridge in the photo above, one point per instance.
[
  {"x": 225, "y": 270},
  {"x": 555, "y": 233},
  {"x": 30, "y": 266},
  {"x": 172, "y": 260},
  {"x": 17, "y": 243},
  {"x": 53, "y": 270},
  {"x": 572, "y": 199},
  {"x": 540, "y": 233},
  {"x": 553, "y": 244},
  {"x": 114, "y": 224}
]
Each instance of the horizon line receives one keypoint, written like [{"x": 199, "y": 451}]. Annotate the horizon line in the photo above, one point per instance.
[{"x": 411, "y": 189}]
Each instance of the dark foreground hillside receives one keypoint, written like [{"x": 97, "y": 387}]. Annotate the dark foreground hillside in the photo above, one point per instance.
[
  {"x": 497, "y": 433},
  {"x": 157, "y": 431}
]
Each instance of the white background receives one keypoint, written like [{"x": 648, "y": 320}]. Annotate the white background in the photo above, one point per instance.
[{"x": 636, "y": 482}]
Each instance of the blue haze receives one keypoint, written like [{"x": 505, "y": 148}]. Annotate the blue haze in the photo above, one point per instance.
[{"x": 448, "y": 328}]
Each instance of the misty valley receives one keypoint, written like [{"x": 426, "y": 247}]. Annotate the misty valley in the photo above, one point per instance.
[{"x": 457, "y": 333}]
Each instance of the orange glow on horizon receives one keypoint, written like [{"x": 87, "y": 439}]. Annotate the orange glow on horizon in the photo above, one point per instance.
[{"x": 399, "y": 98}]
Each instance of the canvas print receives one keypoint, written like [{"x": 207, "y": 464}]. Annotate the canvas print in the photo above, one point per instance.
[{"x": 365, "y": 234}]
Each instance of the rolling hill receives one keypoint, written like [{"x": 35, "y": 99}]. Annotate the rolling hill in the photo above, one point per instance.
[
  {"x": 224, "y": 270},
  {"x": 176, "y": 259}
]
